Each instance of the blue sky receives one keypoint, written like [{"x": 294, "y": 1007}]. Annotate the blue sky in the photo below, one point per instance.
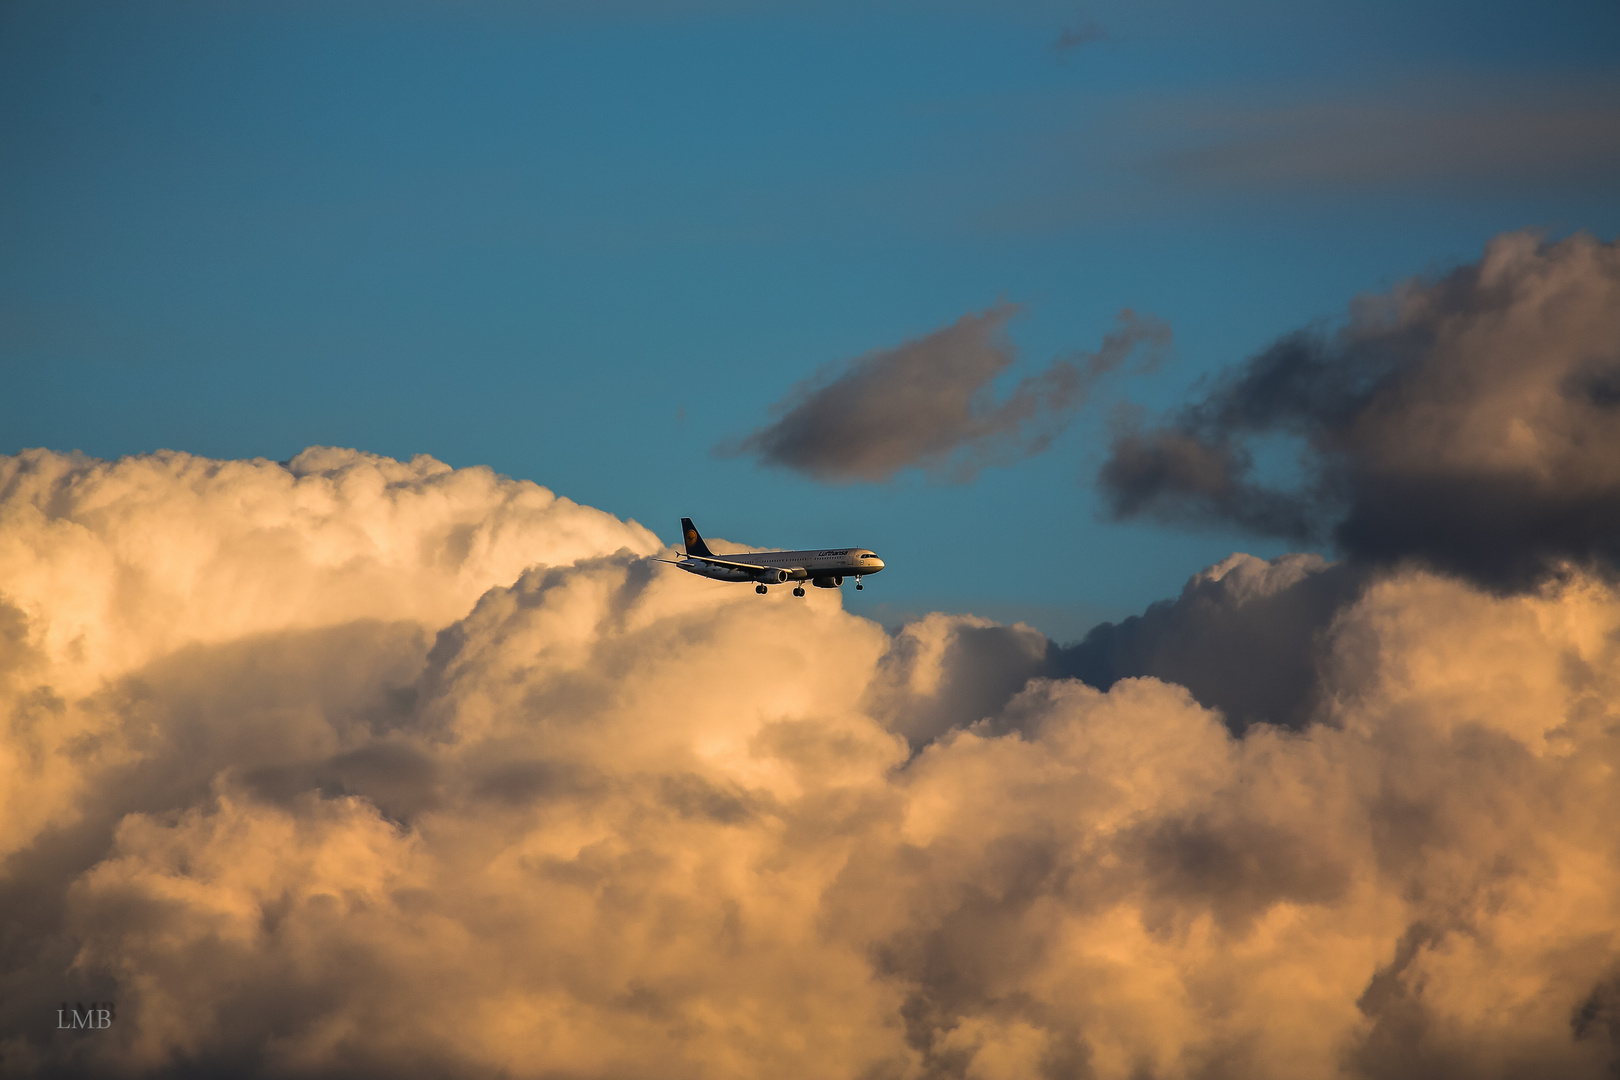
[{"x": 585, "y": 243}]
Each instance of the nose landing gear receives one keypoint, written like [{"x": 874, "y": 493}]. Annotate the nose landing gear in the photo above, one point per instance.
[{"x": 858, "y": 584}]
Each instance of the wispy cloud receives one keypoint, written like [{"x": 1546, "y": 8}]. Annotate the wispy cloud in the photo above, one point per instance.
[
  {"x": 1078, "y": 34},
  {"x": 929, "y": 403},
  {"x": 1464, "y": 137}
]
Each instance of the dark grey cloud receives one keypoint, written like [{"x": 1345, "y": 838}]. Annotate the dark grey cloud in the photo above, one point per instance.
[
  {"x": 930, "y": 403},
  {"x": 1246, "y": 637},
  {"x": 1471, "y": 422}
]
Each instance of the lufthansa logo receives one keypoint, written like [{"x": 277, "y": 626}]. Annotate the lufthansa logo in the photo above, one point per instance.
[{"x": 98, "y": 1016}]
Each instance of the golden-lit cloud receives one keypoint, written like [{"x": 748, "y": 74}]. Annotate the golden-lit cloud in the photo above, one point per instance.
[{"x": 360, "y": 767}]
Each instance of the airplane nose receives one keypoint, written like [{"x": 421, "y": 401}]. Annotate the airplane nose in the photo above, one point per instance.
[{"x": 877, "y": 564}]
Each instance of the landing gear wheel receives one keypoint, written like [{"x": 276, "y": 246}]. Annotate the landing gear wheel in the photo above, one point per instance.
[
  {"x": 858, "y": 585},
  {"x": 799, "y": 591},
  {"x": 760, "y": 589}
]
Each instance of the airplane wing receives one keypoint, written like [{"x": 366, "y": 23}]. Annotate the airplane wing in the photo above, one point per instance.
[{"x": 719, "y": 562}]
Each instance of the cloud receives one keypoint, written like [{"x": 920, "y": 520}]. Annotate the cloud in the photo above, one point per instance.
[
  {"x": 1469, "y": 422},
  {"x": 1246, "y": 638},
  {"x": 112, "y": 567},
  {"x": 1073, "y": 37},
  {"x": 611, "y": 821},
  {"x": 1466, "y": 138},
  {"x": 1232, "y": 622},
  {"x": 944, "y": 672},
  {"x": 929, "y": 404}
]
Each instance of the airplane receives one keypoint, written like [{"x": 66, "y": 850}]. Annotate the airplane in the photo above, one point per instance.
[{"x": 825, "y": 569}]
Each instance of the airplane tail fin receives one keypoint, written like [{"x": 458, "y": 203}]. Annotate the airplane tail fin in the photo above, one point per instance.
[{"x": 694, "y": 542}]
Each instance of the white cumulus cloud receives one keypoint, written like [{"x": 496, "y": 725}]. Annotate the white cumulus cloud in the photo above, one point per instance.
[{"x": 359, "y": 767}]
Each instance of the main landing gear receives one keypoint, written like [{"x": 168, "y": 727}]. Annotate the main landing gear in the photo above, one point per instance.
[
  {"x": 799, "y": 591},
  {"x": 760, "y": 589}
]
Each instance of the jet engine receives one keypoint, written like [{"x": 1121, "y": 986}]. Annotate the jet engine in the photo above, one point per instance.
[
  {"x": 772, "y": 577},
  {"x": 827, "y": 582}
]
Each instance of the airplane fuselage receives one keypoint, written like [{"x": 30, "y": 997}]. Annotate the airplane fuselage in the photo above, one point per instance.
[{"x": 825, "y": 563}]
